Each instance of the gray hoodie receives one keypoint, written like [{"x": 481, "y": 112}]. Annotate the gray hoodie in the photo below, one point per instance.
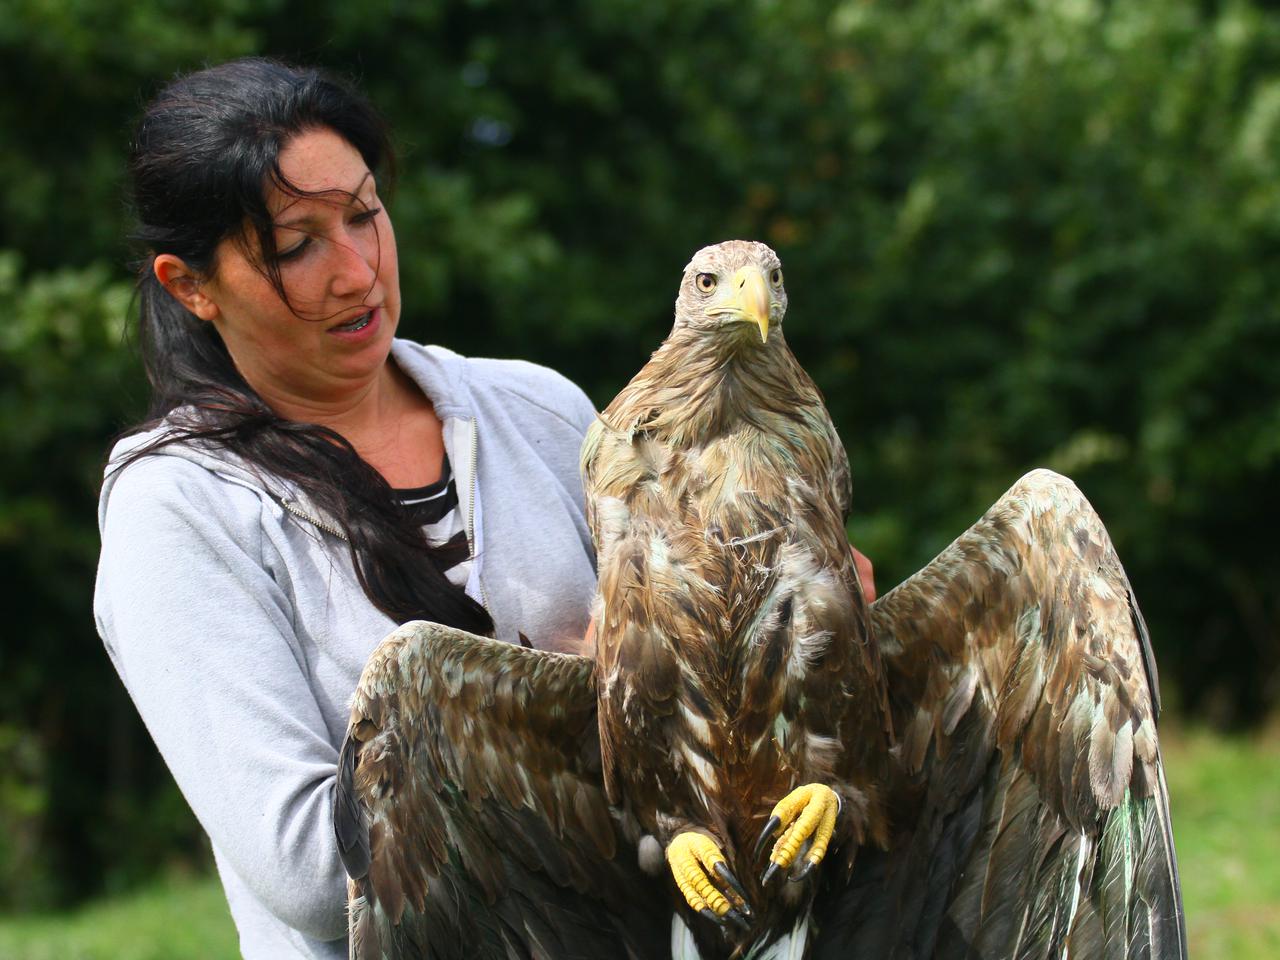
[{"x": 231, "y": 611}]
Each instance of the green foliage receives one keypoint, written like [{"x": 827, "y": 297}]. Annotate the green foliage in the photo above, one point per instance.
[
  {"x": 1016, "y": 233},
  {"x": 78, "y": 796},
  {"x": 23, "y": 802}
]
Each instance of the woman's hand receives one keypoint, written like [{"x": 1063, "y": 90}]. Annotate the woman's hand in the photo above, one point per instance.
[{"x": 866, "y": 574}]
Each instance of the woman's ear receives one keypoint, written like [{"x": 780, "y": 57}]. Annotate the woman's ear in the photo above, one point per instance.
[{"x": 184, "y": 285}]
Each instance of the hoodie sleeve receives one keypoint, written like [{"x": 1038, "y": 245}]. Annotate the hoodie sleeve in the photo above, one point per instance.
[{"x": 202, "y": 636}]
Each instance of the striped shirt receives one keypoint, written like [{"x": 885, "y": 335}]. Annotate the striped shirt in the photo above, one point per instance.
[{"x": 435, "y": 507}]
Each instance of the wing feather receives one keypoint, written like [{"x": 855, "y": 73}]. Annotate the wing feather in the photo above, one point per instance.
[
  {"x": 1032, "y": 811},
  {"x": 470, "y": 810}
]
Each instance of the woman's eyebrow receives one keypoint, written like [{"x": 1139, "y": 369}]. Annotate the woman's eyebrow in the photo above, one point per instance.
[{"x": 308, "y": 217}]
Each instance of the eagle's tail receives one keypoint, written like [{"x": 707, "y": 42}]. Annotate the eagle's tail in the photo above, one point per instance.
[{"x": 791, "y": 946}]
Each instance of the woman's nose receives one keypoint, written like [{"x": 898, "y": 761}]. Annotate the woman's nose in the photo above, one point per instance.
[{"x": 355, "y": 265}]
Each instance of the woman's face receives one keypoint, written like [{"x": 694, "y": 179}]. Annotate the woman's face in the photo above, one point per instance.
[{"x": 337, "y": 262}]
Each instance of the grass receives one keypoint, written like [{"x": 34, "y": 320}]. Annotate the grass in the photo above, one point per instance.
[
  {"x": 1225, "y": 799},
  {"x": 178, "y": 918}
]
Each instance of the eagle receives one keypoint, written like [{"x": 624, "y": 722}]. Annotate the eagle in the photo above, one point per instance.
[{"x": 755, "y": 763}]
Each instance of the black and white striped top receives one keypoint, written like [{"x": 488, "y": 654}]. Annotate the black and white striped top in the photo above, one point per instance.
[{"x": 435, "y": 507}]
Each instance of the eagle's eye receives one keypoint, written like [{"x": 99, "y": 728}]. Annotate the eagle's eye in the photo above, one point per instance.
[
  {"x": 775, "y": 277},
  {"x": 706, "y": 282}
]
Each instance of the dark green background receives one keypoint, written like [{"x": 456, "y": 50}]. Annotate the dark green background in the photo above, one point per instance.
[{"x": 1016, "y": 234}]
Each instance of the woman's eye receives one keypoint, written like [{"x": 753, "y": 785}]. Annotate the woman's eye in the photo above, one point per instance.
[
  {"x": 775, "y": 276},
  {"x": 295, "y": 250},
  {"x": 367, "y": 216},
  {"x": 706, "y": 282}
]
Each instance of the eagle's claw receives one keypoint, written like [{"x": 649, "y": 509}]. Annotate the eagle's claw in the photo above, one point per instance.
[
  {"x": 724, "y": 873},
  {"x": 765, "y": 834},
  {"x": 770, "y": 872},
  {"x": 690, "y": 855},
  {"x": 806, "y": 814},
  {"x": 804, "y": 871}
]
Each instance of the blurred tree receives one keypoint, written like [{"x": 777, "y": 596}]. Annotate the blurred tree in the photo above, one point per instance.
[
  {"x": 78, "y": 796},
  {"x": 1017, "y": 233}
]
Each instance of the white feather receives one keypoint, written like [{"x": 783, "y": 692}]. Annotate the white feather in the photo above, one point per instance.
[
  {"x": 697, "y": 724},
  {"x": 806, "y": 651},
  {"x": 1083, "y": 854},
  {"x": 790, "y": 946},
  {"x": 682, "y": 945},
  {"x": 699, "y": 765}
]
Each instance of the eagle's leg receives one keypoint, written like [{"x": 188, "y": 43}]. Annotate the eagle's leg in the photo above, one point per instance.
[
  {"x": 690, "y": 856},
  {"x": 806, "y": 814}
]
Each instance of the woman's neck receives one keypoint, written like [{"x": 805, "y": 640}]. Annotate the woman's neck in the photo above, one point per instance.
[{"x": 389, "y": 421}]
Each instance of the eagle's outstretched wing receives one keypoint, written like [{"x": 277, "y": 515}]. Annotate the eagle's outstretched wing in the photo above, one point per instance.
[
  {"x": 1031, "y": 813},
  {"x": 470, "y": 810}
]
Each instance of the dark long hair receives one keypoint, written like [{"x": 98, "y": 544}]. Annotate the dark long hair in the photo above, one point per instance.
[{"x": 205, "y": 151}]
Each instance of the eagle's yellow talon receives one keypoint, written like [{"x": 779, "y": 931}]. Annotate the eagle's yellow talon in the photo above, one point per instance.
[
  {"x": 690, "y": 856},
  {"x": 806, "y": 814}
]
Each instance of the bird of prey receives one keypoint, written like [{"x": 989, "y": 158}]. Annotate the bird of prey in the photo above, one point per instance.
[{"x": 755, "y": 763}]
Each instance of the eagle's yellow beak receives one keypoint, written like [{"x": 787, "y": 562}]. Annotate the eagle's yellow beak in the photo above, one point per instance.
[{"x": 751, "y": 296}]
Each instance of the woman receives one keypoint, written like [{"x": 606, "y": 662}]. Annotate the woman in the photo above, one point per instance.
[
  {"x": 306, "y": 482},
  {"x": 270, "y": 524}
]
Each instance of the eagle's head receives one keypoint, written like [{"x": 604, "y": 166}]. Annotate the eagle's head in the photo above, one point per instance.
[{"x": 734, "y": 288}]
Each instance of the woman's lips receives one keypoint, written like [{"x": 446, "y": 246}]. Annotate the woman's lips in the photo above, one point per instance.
[{"x": 357, "y": 334}]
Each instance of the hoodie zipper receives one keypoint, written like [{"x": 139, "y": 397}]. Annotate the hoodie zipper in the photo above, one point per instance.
[
  {"x": 315, "y": 521},
  {"x": 471, "y": 514}
]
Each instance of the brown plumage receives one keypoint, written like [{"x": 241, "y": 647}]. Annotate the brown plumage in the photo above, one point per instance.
[
  {"x": 987, "y": 727},
  {"x": 734, "y": 660}
]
